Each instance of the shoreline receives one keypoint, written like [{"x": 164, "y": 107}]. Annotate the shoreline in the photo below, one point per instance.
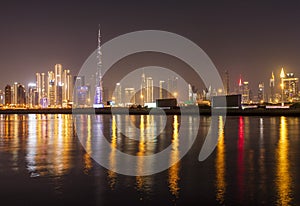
[{"x": 145, "y": 111}]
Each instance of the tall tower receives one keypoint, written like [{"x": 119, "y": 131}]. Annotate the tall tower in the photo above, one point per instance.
[
  {"x": 149, "y": 90},
  {"x": 8, "y": 95},
  {"x": 162, "y": 89},
  {"x": 58, "y": 85},
  {"x": 98, "y": 100},
  {"x": 143, "y": 88},
  {"x": 51, "y": 88},
  {"x": 226, "y": 82},
  {"x": 272, "y": 88},
  {"x": 67, "y": 87},
  {"x": 261, "y": 92}
]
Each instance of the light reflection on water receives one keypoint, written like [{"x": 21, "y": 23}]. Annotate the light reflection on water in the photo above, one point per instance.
[
  {"x": 283, "y": 180},
  {"x": 251, "y": 163},
  {"x": 221, "y": 165}
]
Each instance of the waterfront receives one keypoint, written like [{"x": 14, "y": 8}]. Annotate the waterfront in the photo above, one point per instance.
[{"x": 42, "y": 162}]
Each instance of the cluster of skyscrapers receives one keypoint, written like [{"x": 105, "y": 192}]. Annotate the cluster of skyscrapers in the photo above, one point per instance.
[
  {"x": 49, "y": 90},
  {"x": 285, "y": 89},
  {"x": 147, "y": 93}
]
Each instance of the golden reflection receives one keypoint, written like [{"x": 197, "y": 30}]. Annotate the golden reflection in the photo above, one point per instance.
[
  {"x": 174, "y": 158},
  {"x": 140, "y": 179},
  {"x": 88, "y": 147},
  {"x": 283, "y": 180},
  {"x": 112, "y": 157},
  {"x": 49, "y": 153},
  {"x": 221, "y": 164}
]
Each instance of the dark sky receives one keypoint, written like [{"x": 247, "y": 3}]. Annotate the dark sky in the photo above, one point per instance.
[{"x": 252, "y": 39}]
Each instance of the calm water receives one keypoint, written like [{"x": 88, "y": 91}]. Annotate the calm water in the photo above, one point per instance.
[{"x": 42, "y": 162}]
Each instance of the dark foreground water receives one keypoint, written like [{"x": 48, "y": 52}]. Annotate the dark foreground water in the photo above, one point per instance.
[{"x": 43, "y": 162}]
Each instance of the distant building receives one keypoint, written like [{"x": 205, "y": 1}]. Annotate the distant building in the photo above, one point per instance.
[
  {"x": 7, "y": 95},
  {"x": 246, "y": 93},
  {"x": 272, "y": 89},
  {"x": 149, "y": 90},
  {"x": 41, "y": 86},
  {"x": 261, "y": 93},
  {"x": 1, "y": 97},
  {"x": 129, "y": 96},
  {"x": 290, "y": 87},
  {"x": 118, "y": 94},
  {"x": 162, "y": 89},
  {"x": 172, "y": 87},
  {"x": 21, "y": 96},
  {"x": 51, "y": 88},
  {"x": 67, "y": 87},
  {"x": 226, "y": 83},
  {"x": 143, "y": 89},
  {"x": 58, "y": 84},
  {"x": 31, "y": 101}
]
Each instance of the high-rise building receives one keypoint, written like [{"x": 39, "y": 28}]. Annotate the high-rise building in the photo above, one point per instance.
[
  {"x": 7, "y": 95},
  {"x": 143, "y": 89},
  {"x": 32, "y": 102},
  {"x": 240, "y": 86},
  {"x": 67, "y": 87},
  {"x": 261, "y": 93},
  {"x": 51, "y": 88},
  {"x": 190, "y": 93},
  {"x": 245, "y": 93},
  {"x": 149, "y": 90},
  {"x": 118, "y": 94},
  {"x": 41, "y": 86},
  {"x": 38, "y": 84},
  {"x": 18, "y": 95},
  {"x": 21, "y": 96},
  {"x": 226, "y": 82},
  {"x": 162, "y": 89},
  {"x": 172, "y": 87},
  {"x": 58, "y": 84},
  {"x": 129, "y": 96},
  {"x": 98, "y": 99},
  {"x": 289, "y": 86},
  {"x": 272, "y": 88},
  {"x": 80, "y": 91},
  {"x": 1, "y": 98}
]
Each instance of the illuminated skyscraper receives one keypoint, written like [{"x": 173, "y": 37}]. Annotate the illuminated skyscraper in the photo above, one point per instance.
[
  {"x": 226, "y": 83},
  {"x": 43, "y": 86},
  {"x": 143, "y": 89},
  {"x": 7, "y": 95},
  {"x": 261, "y": 92},
  {"x": 31, "y": 95},
  {"x": 118, "y": 94},
  {"x": 67, "y": 83},
  {"x": 18, "y": 95},
  {"x": 240, "y": 85},
  {"x": 289, "y": 86},
  {"x": 40, "y": 86},
  {"x": 1, "y": 98},
  {"x": 172, "y": 87},
  {"x": 162, "y": 89},
  {"x": 272, "y": 88},
  {"x": 244, "y": 88},
  {"x": 129, "y": 96},
  {"x": 98, "y": 99},
  {"x": 58, "y": 84},
  {"x": 149, "y": 90},
  {"x": 51, "y": 88}
]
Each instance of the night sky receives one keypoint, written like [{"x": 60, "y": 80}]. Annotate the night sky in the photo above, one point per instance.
[{"x": 252, "y": 39}]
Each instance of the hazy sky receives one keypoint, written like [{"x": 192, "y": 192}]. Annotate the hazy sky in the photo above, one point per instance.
[{"x": 252, "y": 39}]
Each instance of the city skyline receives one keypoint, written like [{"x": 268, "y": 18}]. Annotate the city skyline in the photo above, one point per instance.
[{"x": 48, "y": 33}]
